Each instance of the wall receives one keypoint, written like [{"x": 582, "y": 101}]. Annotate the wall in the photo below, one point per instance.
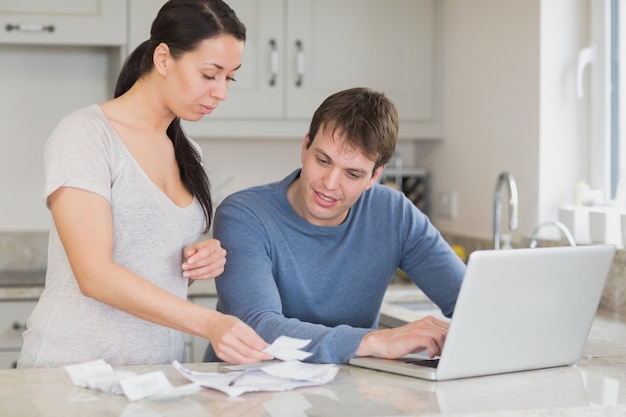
[
  {"x": 509, "y": 105},
  {"x": 39, "y": 85}
]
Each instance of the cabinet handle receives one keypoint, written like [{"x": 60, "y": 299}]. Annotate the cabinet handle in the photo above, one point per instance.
[
  {"x": 274, "y": 62},
  {"x": 299, "y": 63},
  {"x": 29, "y": 27},
  {"x": 18, "y": 327}
]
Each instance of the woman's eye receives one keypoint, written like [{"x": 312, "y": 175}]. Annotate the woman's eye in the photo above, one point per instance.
[
  {"x": 208, "y": 77},
  {"x": 231, "y": 79}
]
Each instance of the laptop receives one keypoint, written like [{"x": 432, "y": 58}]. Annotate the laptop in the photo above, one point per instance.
[{"x": 517, "y": 310}]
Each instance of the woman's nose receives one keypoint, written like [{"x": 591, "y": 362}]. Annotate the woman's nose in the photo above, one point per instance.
[{"x": 220, "y": 90}]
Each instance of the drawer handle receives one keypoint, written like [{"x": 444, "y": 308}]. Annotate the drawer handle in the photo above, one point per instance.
[
  {"x": 29, "y": 27},
  {"x": 18, "y": 327},
  {"x": 299, "y": 63},
  {"x": 274, "y": 63}
]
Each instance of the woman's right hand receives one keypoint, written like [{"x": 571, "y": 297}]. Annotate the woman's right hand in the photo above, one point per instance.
[{"x": 235, "y": 342}]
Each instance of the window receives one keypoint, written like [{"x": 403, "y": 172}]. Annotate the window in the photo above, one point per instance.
[{"x": 606, "y": 95}]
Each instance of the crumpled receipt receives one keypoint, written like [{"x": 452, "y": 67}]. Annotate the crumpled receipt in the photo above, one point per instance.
[
  {"x": 99, "y": 375},
  {"x": 263, "y": 376},
  {"x": 267, "y": 376},
  {"x": 278, "y": 376},
  {"x": 288, "y": 348}
]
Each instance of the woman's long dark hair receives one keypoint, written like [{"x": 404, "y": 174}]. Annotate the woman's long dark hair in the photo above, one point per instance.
[{"x": 182, "y": 25}]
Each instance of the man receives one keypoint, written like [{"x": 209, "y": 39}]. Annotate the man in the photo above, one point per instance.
[{"x": 311, "y": 256}]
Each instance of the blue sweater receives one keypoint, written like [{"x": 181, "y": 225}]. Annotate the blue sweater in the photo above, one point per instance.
[{"x": 286, "y": 276}]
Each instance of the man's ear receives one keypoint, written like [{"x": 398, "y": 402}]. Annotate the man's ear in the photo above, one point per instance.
[
  {"x": 160, "y": 58},
  {"x": 375, "y": 176},
  {"x": 305, "y": 144}
]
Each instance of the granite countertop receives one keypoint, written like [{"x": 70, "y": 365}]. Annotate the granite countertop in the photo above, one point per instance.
[
  {"x": 28, "y": 285},
  {"x": 596, "y": 386},
  {"x": 21, "y": 285}
]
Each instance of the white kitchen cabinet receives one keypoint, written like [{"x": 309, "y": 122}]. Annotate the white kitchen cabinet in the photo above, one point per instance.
[
  {"x": 63, "y": 22},
  {"x": 13, "y": 315},
  {"x": 298, "y": 52}
]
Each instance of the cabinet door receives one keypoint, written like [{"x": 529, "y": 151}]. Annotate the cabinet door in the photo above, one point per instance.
[
  {"x": 258, "y": 91},
  {"x": 387, "y": 45},
  {"x": 63, "y": 22},
  {"x": 13, "y": 315},
  {"x": 8, "y": 359}
]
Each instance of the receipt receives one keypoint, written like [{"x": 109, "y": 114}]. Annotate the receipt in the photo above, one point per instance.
[
  {"x": 276, "y": 376},
  {"x": 98, "y": 375},
  {"x": 154, "y": 385},
  {"x": 262, "y": 376},
  {"x": 288, "y": 348}
]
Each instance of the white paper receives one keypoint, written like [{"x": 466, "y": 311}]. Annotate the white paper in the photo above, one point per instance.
[
  {"x": 98, "y": 375},
  {"x": 288, "y": 348},
  {"x": 146, "y": 385},
  {"x": 314, "y": 372},
  {"x": 262, "y": 376},
  {"x": 281, "y": 376},
  {"x": 81, "y": 371},
  {"x": 108, "y": 382}
]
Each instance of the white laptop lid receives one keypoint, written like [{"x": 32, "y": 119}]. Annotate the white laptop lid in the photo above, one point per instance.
[{"x": 517, "y": 310}]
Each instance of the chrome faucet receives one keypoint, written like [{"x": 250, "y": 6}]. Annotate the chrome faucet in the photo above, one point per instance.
[
  {"x": 560, "y": 226},
  {"x": 503, "y": 178}
]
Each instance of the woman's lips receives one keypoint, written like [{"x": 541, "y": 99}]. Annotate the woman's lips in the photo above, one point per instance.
[{"x": 206, "y": 109}]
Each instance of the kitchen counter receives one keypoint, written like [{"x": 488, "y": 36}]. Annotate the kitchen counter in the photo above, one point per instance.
[
  {"x": 28, "y": 285},
  {"x": 596, "y": 386},
  {"x": 21, "y": 285}
]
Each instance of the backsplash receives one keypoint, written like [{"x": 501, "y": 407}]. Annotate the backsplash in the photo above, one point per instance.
[{"x": 23, "y": 251}]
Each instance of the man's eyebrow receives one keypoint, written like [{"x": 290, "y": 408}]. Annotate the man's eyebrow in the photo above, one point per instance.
[
  {"x": 320, "y": 152},
  {"x": 359, "y": 170}
]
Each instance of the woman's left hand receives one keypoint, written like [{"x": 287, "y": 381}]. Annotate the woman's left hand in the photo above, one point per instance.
[{"x": 204, "y": 260}]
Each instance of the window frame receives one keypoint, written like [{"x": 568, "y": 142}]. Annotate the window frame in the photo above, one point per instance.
[{"x": 601, "y": 133}]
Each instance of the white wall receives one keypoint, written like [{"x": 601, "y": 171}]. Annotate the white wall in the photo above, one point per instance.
[
  {"x": 508, "y": 105},
  {"x": 38, "y": 86}
]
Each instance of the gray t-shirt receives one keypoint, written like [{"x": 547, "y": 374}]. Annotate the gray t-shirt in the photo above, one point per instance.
[{"x": 150, "y": 232}]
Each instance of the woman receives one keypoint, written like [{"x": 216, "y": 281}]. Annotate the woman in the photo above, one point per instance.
[{"x": 129, "y": 197}]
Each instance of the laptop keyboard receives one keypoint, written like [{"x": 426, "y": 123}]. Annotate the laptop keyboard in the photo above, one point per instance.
[{"x": 431, "y": 363}]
